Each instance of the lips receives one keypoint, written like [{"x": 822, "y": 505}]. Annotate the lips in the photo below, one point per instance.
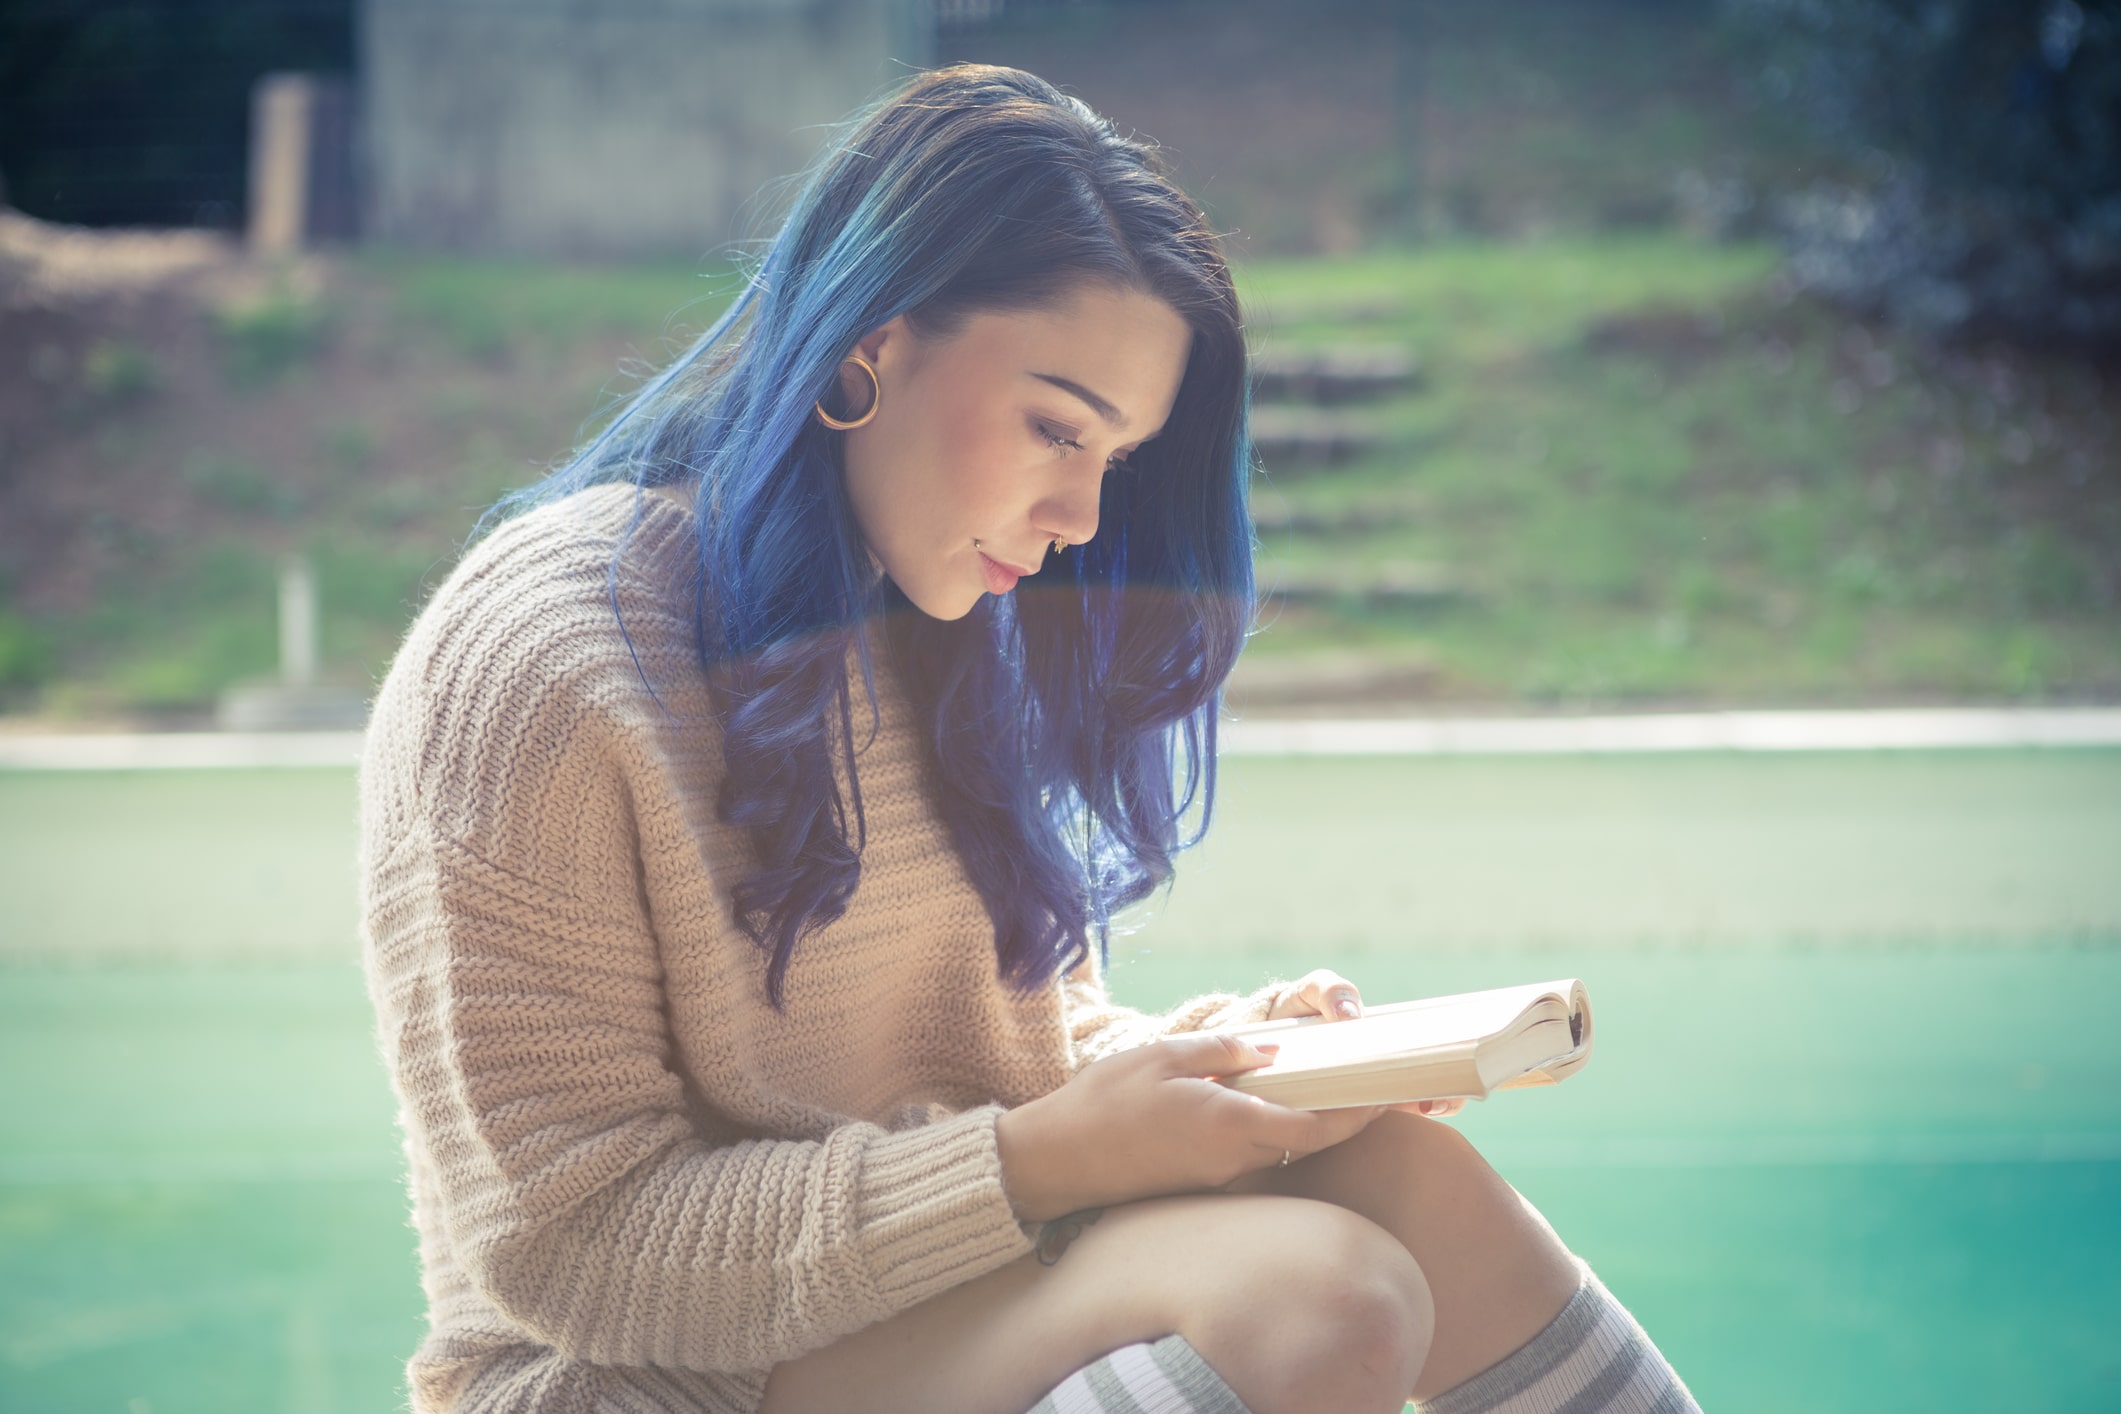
[{"x": 1001, "y": 576}]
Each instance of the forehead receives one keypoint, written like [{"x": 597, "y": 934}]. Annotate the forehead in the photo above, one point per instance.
[{"x": 1126, "y": 348}]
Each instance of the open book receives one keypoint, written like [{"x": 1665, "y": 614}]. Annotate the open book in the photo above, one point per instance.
[{"x": 1436, "y": 1048}]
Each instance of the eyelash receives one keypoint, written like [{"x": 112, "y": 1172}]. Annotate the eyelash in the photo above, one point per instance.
[{"x": 1055, "y": 439}]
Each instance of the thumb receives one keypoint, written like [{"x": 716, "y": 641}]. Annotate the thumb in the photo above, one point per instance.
[{"x": 1210, "y": 1053}]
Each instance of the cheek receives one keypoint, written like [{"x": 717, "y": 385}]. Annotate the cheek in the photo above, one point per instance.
[{"x": 983, "y": 473}]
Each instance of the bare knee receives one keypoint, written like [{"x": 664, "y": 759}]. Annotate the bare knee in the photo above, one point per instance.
[
  {"x": 1423, "y": 1179},
  {"x": 1436, "y": 1156},
  {"x": 1496, "y": 1268},
  {"x": 1328, "y": 1312}
]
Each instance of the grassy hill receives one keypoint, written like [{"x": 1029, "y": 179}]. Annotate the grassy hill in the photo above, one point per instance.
[{"x": 1635, "y": 468}]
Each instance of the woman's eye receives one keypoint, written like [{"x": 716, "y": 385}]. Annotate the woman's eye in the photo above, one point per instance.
[{"x": 1056, "y": 439}]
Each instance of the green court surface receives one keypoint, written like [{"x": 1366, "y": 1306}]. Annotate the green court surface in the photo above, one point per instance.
[{"x": 1851, "y": 1139}]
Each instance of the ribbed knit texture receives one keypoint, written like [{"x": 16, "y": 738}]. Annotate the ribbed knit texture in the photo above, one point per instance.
[
  {"x": 1592, "y": 1358},
  {"x": 1165, "y": 1376},
  {"x": 636, "y": 1186}
]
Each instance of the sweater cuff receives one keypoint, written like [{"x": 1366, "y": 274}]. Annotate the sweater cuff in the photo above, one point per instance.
[
  {"x": 1243, "y": 1009},
  {"x": 1256, "y": 1004},
  {"x": 931, "y": 1209}
]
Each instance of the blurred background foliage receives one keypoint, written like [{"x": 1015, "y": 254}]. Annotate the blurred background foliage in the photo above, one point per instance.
[
  {"x": 1762, "y": 349},
  {"x": 1989, "y": 136}
]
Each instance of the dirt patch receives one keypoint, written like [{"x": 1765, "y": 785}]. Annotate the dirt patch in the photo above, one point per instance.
[{"x": 161, "y": 392}]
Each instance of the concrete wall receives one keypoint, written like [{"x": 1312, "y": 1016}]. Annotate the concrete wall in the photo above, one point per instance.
[{"x": 608, "y": 127}]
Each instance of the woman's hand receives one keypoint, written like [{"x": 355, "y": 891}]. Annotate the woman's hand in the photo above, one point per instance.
[
  {"x": 1319, "y": 992},
  {"x": 1149, "y": 1121},
  {"x": 1324, "y": 992}
]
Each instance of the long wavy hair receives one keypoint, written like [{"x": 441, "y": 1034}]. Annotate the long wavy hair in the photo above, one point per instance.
[{"x": 1070, "y": 727}]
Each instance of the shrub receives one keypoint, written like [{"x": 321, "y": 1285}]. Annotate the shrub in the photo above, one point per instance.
[
  {"x": 26, "y": 657},
  {"x": 266, "y": 339},
  {"x": 1986, "y": 139},
  {"x": 241, "y": 486},
  {"x": 119, "y": 371}
]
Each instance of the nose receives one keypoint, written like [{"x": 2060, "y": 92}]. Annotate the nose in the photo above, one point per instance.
[{"x": 1069, "y": 514}]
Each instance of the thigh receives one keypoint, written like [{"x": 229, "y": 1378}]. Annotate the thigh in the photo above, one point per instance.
[
  {"x": 1197, "y": 1265},
  {"x": 1423, "y": 1181}
]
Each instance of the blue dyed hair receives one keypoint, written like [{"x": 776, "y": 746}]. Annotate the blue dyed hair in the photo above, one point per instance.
[{"x": 1070, "y": 726}]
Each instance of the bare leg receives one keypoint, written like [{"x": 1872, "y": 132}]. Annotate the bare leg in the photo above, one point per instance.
[
  {"x": 1497, "y": 1271},
  {"x": 1299, "y": 1305}
]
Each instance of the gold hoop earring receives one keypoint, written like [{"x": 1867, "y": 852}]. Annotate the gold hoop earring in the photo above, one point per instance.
[{"x": 875, "y": 402}]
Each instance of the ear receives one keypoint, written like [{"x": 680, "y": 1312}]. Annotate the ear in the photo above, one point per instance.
[{"x": 894, "y": 335}]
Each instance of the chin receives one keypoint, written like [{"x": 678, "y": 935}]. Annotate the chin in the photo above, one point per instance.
[
  {"x": 955, "y": 608},
  {"x": 941, "y": 602}
]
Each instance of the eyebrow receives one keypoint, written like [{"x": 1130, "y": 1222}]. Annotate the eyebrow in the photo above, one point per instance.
[{"x": 1098, "y": 405}]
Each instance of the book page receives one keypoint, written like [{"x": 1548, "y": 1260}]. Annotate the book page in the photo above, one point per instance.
[{"x": 1399, "y": 1028}]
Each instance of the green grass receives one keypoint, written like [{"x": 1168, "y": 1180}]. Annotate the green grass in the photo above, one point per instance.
[
  {"x": 1477, "y": 303},
  {"x": 1646, "y": 480},
  {"x": 272, "y": 338},
  {"x": 1849, "y": 1141},
  {"x": 1650, "y": 482},
  {"x": 496, "y": 311}
]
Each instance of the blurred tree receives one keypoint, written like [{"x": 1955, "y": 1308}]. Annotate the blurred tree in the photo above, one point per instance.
[
  {"x": 138, "y": 111},
  {"x": 1990, "y": 135}
]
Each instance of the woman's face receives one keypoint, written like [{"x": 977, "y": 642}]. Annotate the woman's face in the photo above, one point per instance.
[{"x": 992, "y": 443}]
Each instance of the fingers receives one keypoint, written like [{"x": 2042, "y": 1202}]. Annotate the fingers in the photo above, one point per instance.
[
  {"x": 1276, "y": 1128},
  {"x": 1434, "y": 1109},
  {"x": 1210, "y": 1053},
  {"x": 1332, "y": 1126},
  {"x": 1320, "y": 992}
]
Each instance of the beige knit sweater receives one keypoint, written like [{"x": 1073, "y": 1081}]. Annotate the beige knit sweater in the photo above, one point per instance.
[{"x": 636, "y": 1185}]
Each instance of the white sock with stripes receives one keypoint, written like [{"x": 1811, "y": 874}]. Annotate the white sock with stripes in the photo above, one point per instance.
[
  {"x": 1591, "y": 1359},
  {"x": 1166, "y": 1376}
]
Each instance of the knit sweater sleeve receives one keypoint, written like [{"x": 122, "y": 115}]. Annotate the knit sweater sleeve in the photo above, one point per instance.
[
  {"x": 1099, "y": 1026},
  {"x": 519, "y": 988}
]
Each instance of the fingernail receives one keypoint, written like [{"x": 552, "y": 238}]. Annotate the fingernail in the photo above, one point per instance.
[
  {"x": 1345, "y": 1006},
  {"x": 1266, "y": 1045},
  {"x": 1428, "y": 1107}
]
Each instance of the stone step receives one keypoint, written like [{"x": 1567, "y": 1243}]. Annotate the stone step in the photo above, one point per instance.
[
  {"x": 1356, "y": 373},
  {"x": 1288, "y": 438}
]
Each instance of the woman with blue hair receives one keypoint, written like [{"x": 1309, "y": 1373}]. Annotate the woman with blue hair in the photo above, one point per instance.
[{"x": 744, "y": 818}]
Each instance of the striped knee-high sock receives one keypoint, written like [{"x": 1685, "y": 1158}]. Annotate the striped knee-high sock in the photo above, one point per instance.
[
  {"x": 1165, "y": 1376},
  {"x": 1591, "y": 1359}
]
